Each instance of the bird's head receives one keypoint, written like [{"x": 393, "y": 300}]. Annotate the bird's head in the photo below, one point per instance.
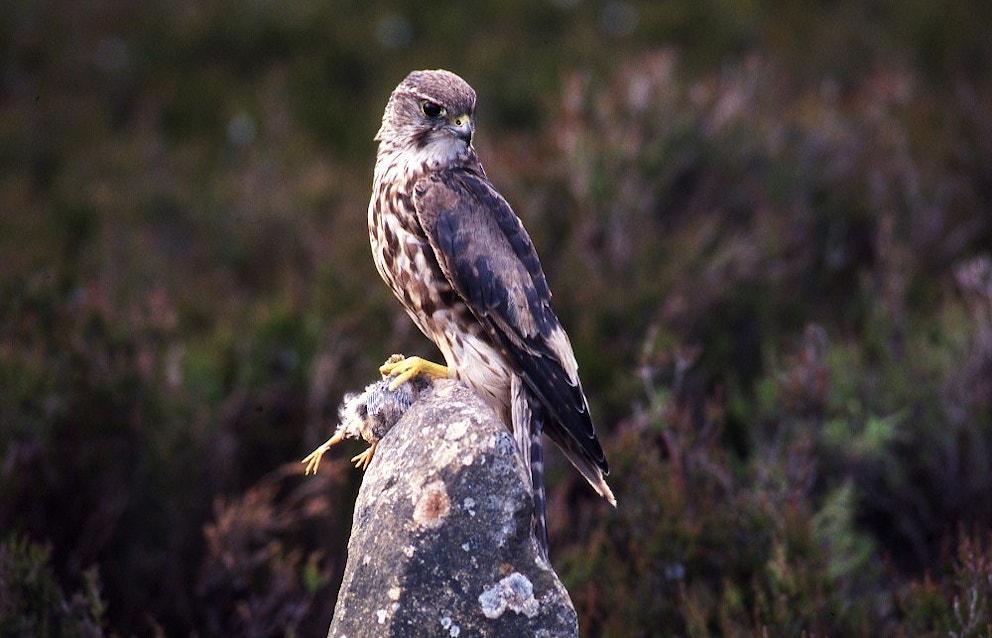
[{"x": 429, "y": 115}]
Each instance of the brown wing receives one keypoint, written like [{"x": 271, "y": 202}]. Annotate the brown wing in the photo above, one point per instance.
[{"x": 490, "y": 261}]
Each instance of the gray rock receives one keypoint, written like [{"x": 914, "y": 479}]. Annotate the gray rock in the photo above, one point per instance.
[{"x": 442, "y": 542}]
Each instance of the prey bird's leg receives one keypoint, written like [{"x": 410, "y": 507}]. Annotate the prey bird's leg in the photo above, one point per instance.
[
  {"x": 362, "y": 460},
  {"x": 313, "y": 459},
  {"x": 405, "y": 368}
]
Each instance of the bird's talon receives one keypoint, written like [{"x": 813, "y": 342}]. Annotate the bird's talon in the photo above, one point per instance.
[
  {"x": 404, "y": 369},
  {"x": 400, "y": 379}
]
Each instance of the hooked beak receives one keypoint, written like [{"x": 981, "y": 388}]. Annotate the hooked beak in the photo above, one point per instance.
[{"x": 463, "y": 127}]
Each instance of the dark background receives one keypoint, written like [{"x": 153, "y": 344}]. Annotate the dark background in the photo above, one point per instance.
[{"x": 767, "y": 226}]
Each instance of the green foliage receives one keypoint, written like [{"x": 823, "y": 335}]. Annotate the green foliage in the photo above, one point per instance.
[
  {"x": 717, "y": 547},
  {"x": 959, "y": 605},
  {"x": 32, "y": 603}
]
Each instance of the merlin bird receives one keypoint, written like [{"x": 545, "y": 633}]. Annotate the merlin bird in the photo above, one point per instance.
[{"x": 459, "y": 260}]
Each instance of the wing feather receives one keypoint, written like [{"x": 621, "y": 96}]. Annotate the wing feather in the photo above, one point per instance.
[{"x": 487, "y": 256}]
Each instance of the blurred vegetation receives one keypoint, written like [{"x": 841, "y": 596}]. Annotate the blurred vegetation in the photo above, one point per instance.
[
  {"x": 769, "y": 230},
  {"x": 33, "y": 604}
]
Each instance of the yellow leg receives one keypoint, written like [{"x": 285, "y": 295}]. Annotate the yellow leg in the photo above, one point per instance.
[
  {"x": 404, "y": 369},
  {"x": 362, "y": 460},
  {"x": 313, "y": 459}
]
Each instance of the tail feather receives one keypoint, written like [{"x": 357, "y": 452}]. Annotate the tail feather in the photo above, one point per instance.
[
  {"x": 537, "y": 478},
  {"x": 588, "y": 467},
  {"x": 528, "y": 415}
]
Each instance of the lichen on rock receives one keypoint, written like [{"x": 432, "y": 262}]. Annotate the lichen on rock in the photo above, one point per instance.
[{"x": 442, "y": 546}]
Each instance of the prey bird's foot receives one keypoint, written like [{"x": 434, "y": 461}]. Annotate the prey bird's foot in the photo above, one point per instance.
[
  {"x": 362, "y": 460},
  {"x": 404, "y": 369},
  {"x": 313, "y": 459}
]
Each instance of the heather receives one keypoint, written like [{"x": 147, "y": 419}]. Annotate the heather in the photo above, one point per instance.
[{"x": 768, "y": 230}]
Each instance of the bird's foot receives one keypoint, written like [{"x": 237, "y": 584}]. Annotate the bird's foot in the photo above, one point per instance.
[
  {"x": 405, "y": 368},
  {"x": 313, "y": 459},
  {"x": 362, "y": 460}
]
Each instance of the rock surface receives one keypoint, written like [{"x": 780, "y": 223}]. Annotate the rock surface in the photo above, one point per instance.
[{"x": 441, "y": 543}]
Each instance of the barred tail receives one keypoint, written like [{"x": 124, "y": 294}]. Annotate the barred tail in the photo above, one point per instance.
[
  {"x": 528, "y": 416},
  {"x": 537, "y": 477}
]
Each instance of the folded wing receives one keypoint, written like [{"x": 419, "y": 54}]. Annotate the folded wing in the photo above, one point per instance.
[{"x": 487, "y": 256}]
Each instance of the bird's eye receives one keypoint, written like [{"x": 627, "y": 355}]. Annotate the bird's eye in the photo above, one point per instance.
[{"x": 431, "y": 109}]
